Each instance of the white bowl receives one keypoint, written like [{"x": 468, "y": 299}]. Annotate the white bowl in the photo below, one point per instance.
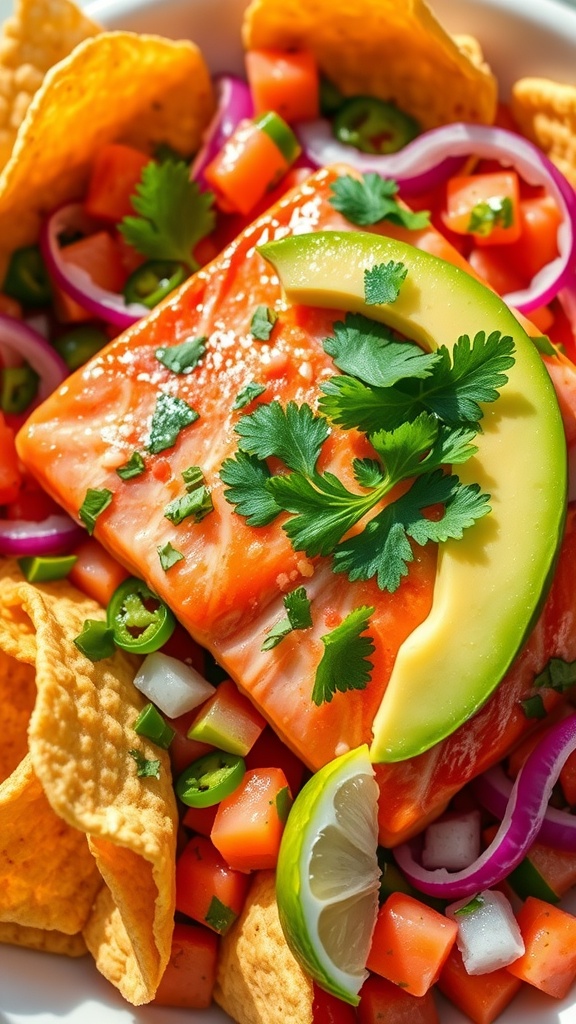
[{"x": 519, "y": 37}]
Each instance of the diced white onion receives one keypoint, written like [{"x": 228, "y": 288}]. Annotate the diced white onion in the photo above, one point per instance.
[
  {"x": 488, "y": 935},
  {"x": 172, "y": 686},
  {"x": 452, "y": 842}
]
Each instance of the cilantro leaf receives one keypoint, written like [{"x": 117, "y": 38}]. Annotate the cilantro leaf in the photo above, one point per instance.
[
  {"x": 293, "y": 434},
  {"x": 368, "y": 472},
  {"x": 262, "y": 322},
  {"x": 95, "y": 501},
  {"x": 323, "y": 510},
  {"x": 182, "y": 358},
  {"x": 370, "y": 199},
  {"x": 171, "y": 415},
  {"x": 345, "y": 664},
  {"x": 382, "y": 282},
  {"x": 247, "y": 478},
  {"x": 145, "y": 767},
  {"x": 248, "y": 393},
  {"x": 558, "y": 675},
  {"x": 368, "y": 350},
  {"x": 133, "y": 467},
  {"x": 489, "y": 214},
  {"x": 473, "y": 374},
  {"x": 196, "y": 503},
  {"x": 297, "y": 606},
  {"x": 168, "y": 555},
  {"x": 173, "y": 214}
]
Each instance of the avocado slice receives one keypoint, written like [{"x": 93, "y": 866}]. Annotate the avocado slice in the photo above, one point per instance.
[{"x": 491, "y": 584}]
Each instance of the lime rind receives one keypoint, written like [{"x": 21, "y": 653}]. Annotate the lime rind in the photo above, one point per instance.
[{"x": 328, "y": 874}]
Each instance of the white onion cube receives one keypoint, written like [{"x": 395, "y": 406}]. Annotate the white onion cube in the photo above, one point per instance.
[
  {"x": 171, "y": 685},
  {"x": 488, "y": 933},
  {"x": 452, "y": 842}
]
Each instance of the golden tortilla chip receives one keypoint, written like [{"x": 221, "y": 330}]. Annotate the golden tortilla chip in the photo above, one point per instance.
[
  {"x": 43, "y": 941},
  {"x": 117, "y": 86},
  {"x": 258, "y": 979},
  {"x": 80, "y": 737},
  {"x": 545, "y": 112},
  {"x": 394, "y": 51},
  {"x": 38, "y": 35}
]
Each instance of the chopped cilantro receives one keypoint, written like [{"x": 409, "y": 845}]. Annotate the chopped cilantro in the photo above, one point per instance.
[
  {"x": 169, "y": 555},
  {"x": 370, "y": 199},
  {"x": 298, "y": 616},
  {"x": 173, "y": 214},
  {"x": 534, "y": 707},
  {"x": 345, "y": 664},
  {"x": 248, "y": 393},
  {"x": 182, "y": 358},
  {"x": 134, "y": 467},
  {"x": 219, "y": 917},
  {"x": 489, "y": 214},
  {"x": 382, "y": 282},
  {"x": 96, "y": 641},
  {"x": 197, "y": 502},
  {"x": 246, "y": 478},
  {"x": 469, "y": 908},
  {"x": 369, "y": 350},
  {"x": 171, "y": 415},
  {"x": 558, "y": 675},
  {"x": 95, "y": 501},
  {"x": 145, "y": 768},
  {"x": 262, "y": 322}
]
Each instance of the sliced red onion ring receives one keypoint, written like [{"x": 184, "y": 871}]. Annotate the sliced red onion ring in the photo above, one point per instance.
[
  {"x": 525, "y": 811},
  {"x": 108, "y": 306},
  {"x": 430, "y": 159},
  {"x": 234, "y": 105},
  {"x": 51, "y": 536},
  {"x": 20, "y": 341}
]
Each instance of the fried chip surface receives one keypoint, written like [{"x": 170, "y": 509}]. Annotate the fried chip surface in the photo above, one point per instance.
[
  {"x": 80, "y": 734},
  {"x": 43, "y": 941},
  {"x": 545, "y": 112},
  {"x": 117, "y": 86},
  {"x": 392, "y": 49},
  {"x": 38, "y": 35},
  {"x": 258, "y": 979}
]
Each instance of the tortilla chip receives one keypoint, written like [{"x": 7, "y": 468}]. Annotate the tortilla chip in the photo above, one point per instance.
[
  {"x": 80, "y": 734},
  {"x": 38, "y": 35},
  {"x": 394, "y": 51},
  {"x": 117, "y": 86},
  {"x": 258, "y": 979},
  {"x": 43, "y": 941},
  {"x": 545, "y": 112}
]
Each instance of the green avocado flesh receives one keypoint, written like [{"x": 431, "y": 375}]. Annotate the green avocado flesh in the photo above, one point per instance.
[{"x": 491, "y": 584}]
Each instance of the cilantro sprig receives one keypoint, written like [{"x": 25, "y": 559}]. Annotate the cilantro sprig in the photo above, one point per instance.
[
  {"x": 345, "y": 663},
  {"x": 173, "y": 214},
  {"x": 298, "y": 616},
  {"x": 371, "y": 199}
]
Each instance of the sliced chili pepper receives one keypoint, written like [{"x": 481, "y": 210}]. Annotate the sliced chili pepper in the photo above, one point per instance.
[
  {"x": 140, "y": 621},
  {"x": 19, "y": 388},
  {"x": 27, "y": 278},
  {"x": 151, "y": 724},
  {"x": 373, "y": 126},
  {"x": 153, "y": 281},
  {"x": 79, "y": 344},
  {"x": 208, "y": 780}
]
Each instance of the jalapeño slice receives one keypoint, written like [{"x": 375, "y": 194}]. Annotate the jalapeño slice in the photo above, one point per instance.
[
  {"x": 208, "y": 780},
  {"x": 153, "y": 281},
  {"x": 373, "y": 126},
  {"x": 140, "y": 621}
]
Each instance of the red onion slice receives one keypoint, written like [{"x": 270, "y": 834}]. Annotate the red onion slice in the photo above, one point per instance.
[
  {"x": 234, "y": 105},
  {"x": 19, "y": 341},
  {"x": 108, "y": 306},
  {"x": 493, "y": 790},
  {"x": 430, "y": 159},
  {"x": 525, "y": 812},
  {"x": 52, "y": 536}
]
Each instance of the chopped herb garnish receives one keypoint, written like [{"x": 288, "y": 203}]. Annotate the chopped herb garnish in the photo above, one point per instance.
[
  {"x": 96, "y": 641},
  {"x": 247, "y": 478},
  {"x": 134, "y": 467},
  {"x": 146, "y": 768},
  {"x": 298, "y": 616},
  {"x": 44, "y": 568},
  {"x": 197, "y": 502},
  {"x": 489, "y": 214},
  {"x": 534, "y": 707},
  {"x": 174, "y": 214},
  {"x": 284, "y": 803},
  {"x": 345, "y": 664},
  {"x": 151, "y": 724},
  {"x": 558, "y": 675},
  {"x": 370, "y": 199},
  {"x": 93, "y": 505},
  {"x": 168, "y": 555},
  {"x": 248, "y": 394},
  {"x": 182, "y": 358},
  {"x": 544, "y": 345},
  {"x": 469, "y": 908},
  {"x": 262, "y": 322},
  {"x": 382, "y": 282},
  {"x": 219, "y": 917},
  {"x": 170, "y": 416}
]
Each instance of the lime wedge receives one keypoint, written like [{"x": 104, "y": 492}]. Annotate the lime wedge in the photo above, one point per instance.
[{"x": 327, "y": 877}]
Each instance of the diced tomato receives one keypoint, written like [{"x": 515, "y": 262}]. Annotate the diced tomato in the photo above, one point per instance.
[
  {"x": 549, "y": 960},
  {"x": 250, "y": 821},
  {"x": 248, "y": 164},
  {"x": 32, "y": 503},
  {"x": 67, "y": 310},
  {"x": 287, "y": 82},
  {"x": 465, "y": 194},
  {"x": 100, "y": 257},
  {"x": 537, "y": 245},
  {"x": 207, "y": 889},
  {"x": 494, "y": 267},
  {"x": 183, "y": 751},
  {"x": 568, "y": 779},
  {"x": 95, "y": 572},
  {"x": 200, "y": 819},
  {"x": 542, "y": 318},
  {"x": 115, "y": 174},
  {"x": 188, "y": 980},
  {"x": 182, "y": 646},
  {"x": 327, "y": 1009},
  {"x": 482, "y": 997},
  {"x": 228, "y": 720},
  {"x": 270, "y": 752},
  {"x": 10, "y": 307},
  {"x": 10, "y": 476},
  {"x": 383, "y": 1002},
  {"x": 410, "y": 944},
  {"x": 561, "y": 332}
]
